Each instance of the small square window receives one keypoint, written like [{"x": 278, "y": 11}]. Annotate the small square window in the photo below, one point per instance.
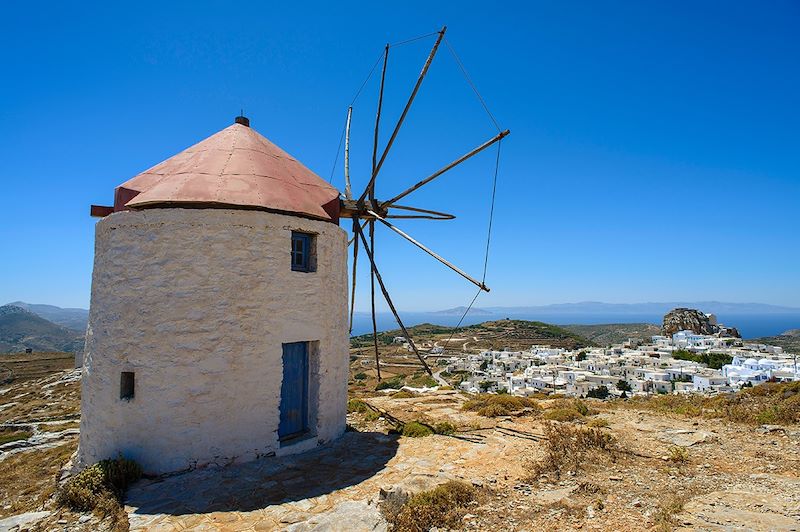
[
  {"x": 303, "y": 259},
  {"x": 126, "y": 385}
]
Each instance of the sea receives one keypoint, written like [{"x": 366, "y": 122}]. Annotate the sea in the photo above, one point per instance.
[{"x": 749, "y": 325}]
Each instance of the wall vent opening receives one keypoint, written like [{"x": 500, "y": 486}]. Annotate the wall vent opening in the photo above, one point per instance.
[{"x": 126, "y": 385}]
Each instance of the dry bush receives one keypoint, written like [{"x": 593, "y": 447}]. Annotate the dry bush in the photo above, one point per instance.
[
  {"x": 404, "y": 394},
  {"x": 679, "y": 455},
  {"x": 597, "y": 422},
  {"x": 670, "y": 506},
  {"x": 567, "y": 410},
  {"x": 444, "y": 427},
  {"x": 769, "y": 403},
  {"x": 99, "y": 487},
  {"x": 568, "y": 446},
  {"x": 490, "y": 405},
  {"x": 562, "y": 414},
  {"x": 441, "y": 507}
]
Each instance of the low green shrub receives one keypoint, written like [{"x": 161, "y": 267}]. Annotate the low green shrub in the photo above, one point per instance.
[
  {"x": 415, "y": 429},
  {"x": 422, "y": 380},
  {"x": 360, "y": 376},
  {"x": 357, "y": 405},
  {"x": 394, "y": 382}
]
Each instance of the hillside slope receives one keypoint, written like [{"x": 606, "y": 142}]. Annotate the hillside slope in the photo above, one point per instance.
[
  {"x": 21, "y": 329},
  {"x": 71, "y": 318},
  {"x": 614, "y": 333},
  {"x": 498, "y": 334}
]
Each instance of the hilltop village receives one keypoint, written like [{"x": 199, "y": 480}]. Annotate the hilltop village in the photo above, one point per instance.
[
  {"x": 685, "y": 363},
  {"x": 684, "y": 360}
]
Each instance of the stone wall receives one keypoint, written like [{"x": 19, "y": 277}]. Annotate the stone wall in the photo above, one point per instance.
[{"x": 198, "y": 302}]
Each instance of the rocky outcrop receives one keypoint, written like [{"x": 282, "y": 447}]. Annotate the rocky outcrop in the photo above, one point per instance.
[{"x": 688, "y": 319}]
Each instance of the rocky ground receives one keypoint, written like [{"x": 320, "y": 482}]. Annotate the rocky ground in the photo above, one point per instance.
[
  {"x": 662, "y": 473},
  {"x": 728, "y": 477}
]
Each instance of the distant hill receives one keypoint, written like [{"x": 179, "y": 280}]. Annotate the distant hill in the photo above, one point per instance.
[
  {"x": 788, "y": 340},
  {"x": 459, "y": 311},
  {"x": 596, "y": 307},
  {"x": 614, "y": 333},
  {"x": 21, "y": 329},
  {"x": 71, "y": 318},
  {"x": 497, "y": 334}
]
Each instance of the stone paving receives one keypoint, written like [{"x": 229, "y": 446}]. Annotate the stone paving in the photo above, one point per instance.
[{"x": 331, "y": 488}]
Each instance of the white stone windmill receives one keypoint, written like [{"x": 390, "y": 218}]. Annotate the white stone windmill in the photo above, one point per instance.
[
  {"x": 366, "y": 209},
  {"x": 218, "y": 323}
]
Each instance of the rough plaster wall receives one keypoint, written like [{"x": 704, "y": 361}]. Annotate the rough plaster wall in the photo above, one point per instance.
[{"x": 197, "y": 302}]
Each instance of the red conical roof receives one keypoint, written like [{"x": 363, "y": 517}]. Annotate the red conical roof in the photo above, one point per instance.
[{"x": 235, "y": 167}]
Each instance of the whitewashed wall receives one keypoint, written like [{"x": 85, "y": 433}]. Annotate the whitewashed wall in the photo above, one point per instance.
[{"x": 197, "y": 302}]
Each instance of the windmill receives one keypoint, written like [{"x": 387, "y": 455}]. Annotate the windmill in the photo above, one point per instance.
[{"x": 366, "y": 210}]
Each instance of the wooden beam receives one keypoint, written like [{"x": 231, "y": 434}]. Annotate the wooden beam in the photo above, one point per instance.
[
  {"x": 450, "y": 166},
  {"x": 386, "y": 296},
  {"x": 372, "y": 295},
  {"x": 378, "y": 119},
  {"x": 347, "y": 190},
  {"x": 434, "y": 215},
  {"x": 431, "y": 253},
  {"x": 353, "y": 288},
  {"x": 422, "y": 74},
  {"x": 100, "y": 211}
]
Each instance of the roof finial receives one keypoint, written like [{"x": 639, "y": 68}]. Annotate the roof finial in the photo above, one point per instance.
[{"x": 241, "y": 119}]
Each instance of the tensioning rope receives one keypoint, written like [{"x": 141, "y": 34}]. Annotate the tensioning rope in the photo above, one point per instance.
[
  {"x": 358, "y": 93},
  {"x": 471, "y": 84},
  {"x": 361, "y": 88},
  {"x": 488, "y": 242}
]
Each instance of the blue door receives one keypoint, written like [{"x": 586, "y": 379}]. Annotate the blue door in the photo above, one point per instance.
[{"x": 294, "y": 391}]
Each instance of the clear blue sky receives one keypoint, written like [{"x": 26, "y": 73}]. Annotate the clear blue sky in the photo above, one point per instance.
[{"x": 654, "y": 155}]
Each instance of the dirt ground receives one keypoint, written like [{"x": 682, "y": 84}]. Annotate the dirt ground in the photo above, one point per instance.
[
  {"x": 733, "y": 476},
  {"x": 723, "y": 476}
]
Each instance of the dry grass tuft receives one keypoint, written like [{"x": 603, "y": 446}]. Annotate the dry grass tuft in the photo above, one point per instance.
[
  {"x": 9, "y": 435},
  {"x": 568, "y": 446},
  {"x": 441, "y": 507},
  {"x": 490, "y": 405},
  {"x": 769, "y": 403},
  {"x": 27, "y": 479}
]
